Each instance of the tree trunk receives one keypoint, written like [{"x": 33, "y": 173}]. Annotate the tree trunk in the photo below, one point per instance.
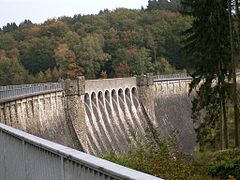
[
  {"x": 238, "y": 55},
  {"x": 225, "y": 128},
  {"x": 234, "y": 93},
  {"x": 237, "y": 15},
  {"x": 222, "y": 130}
]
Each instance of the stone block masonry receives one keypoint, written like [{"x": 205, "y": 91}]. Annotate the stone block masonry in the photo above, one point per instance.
[{"x": 42, "y": 115}]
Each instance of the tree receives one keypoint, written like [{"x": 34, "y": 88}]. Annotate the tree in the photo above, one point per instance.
[
  {"x": 66, "y": 62},
  {"x": 173, "y": 5},
  {"x": 73, "y": 69},
  {"x": 234, "y": 54},
  {"x": 72, "y": 39},
  {"x": 55, "y": 28},
  {"x": 162, "y": 66},
  {"x": 7, "y": 41},
  {"x": 37, "y": 55},
  {"x": 9, "y": 27},
  {"x": 132, "y": 61},
  {"x": 209, "y": 61},
  {"x": 139, "y": 61},
  {"x": 90, "y": 55},
  {"x": 12, "y": 72}
]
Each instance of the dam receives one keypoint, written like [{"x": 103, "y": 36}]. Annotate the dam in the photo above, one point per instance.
[{"x": 99, "y": 116}]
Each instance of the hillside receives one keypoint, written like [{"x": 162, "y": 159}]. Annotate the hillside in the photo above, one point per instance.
[{"x": 115, "y": 43}]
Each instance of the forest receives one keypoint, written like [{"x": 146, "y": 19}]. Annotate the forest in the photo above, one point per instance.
[{"x": 116, "y": 43}]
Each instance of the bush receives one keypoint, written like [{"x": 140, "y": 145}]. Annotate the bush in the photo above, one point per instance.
[
  {"x": 225, "y": 164},
  {"x": 157, "y": 156}
]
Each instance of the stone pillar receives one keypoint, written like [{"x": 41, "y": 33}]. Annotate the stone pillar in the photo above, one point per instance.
[
  {"x": 146, "y": 95},
  {"x": 74, "y": 91}
]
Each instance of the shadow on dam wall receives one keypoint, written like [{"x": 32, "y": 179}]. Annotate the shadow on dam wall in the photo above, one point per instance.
[
  {"x": 174, "y": 113},
  {"x": 168, "y": 106}
]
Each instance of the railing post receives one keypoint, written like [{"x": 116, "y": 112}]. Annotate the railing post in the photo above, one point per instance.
[
  {"x": 24, "y": 159},
  {"x": 4, "y": 156},
  {"x": 62, "y": 169}
]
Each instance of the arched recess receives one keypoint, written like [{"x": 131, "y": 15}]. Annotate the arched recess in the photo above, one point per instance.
[
  {"x": 134, "y": 91},
  {"x": 107, "y": 95},
  {"x": 87, "y": 98},
  {"x": 127, "y": 92},
  {"x": 93, "y": 97}
]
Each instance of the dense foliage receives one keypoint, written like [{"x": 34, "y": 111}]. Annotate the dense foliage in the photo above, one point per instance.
[
  {"x": 115, "y": 43},
  {"x": 158, "y": 156},
  {"x": 225, "y": 164}
]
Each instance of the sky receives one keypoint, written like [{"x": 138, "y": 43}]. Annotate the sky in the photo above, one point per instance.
[{"x": 40, "y": 10}]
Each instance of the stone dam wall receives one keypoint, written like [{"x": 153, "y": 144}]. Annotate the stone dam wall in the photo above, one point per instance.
[
  {"x": 98, "y": 116},
  {"x": 41, "y": 115}
]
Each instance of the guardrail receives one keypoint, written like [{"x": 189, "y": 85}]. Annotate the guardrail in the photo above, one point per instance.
[
  {"x": 27, "y": 89},
  {"x": 24, "y": 156},
  {"x": 171, "y": 77},
  {"x": 9, "y": 87}
]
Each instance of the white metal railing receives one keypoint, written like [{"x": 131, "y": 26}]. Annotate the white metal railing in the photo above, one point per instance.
[
  {"x": 27, "y": 89},
  {"x": 24, "y": 156},
  {"x": 171, "y": 77}
]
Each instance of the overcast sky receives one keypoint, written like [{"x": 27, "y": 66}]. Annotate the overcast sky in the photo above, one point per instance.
[{"x": 40, "y": 10}]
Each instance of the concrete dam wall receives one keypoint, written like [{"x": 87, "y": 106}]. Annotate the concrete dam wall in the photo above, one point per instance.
[
  {"x": 112, "y": 113},
  {"x": 98, "y": 116},
  {"x": 172, "y": 106}
]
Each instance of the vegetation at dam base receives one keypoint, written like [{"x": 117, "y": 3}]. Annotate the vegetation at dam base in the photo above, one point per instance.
[{"x": 163, "y": 157}]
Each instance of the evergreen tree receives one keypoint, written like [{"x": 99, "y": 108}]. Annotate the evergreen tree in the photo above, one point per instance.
[{"x": 207, "y": 46}]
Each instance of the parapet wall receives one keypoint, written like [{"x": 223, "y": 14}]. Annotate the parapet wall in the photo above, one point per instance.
[{"x": 109, "y": 84}]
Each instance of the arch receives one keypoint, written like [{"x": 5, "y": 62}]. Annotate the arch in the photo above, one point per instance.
[
  {"x": 121, "y": 98},
  {"x": 134, "y": 91},
  {"x": 113, "y": 93},
  {"x": 120, "y": 92},
  {"x": 93, "y": 97},
  {"x": 107, "y": 95},
  {"x": 100, "y": 95},
  {"x": 127, "y": 92},
  {"x": 86, "y": 98}
]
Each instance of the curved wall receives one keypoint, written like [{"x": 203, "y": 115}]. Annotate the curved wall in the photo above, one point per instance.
[{"x": 42, "y": 115}]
